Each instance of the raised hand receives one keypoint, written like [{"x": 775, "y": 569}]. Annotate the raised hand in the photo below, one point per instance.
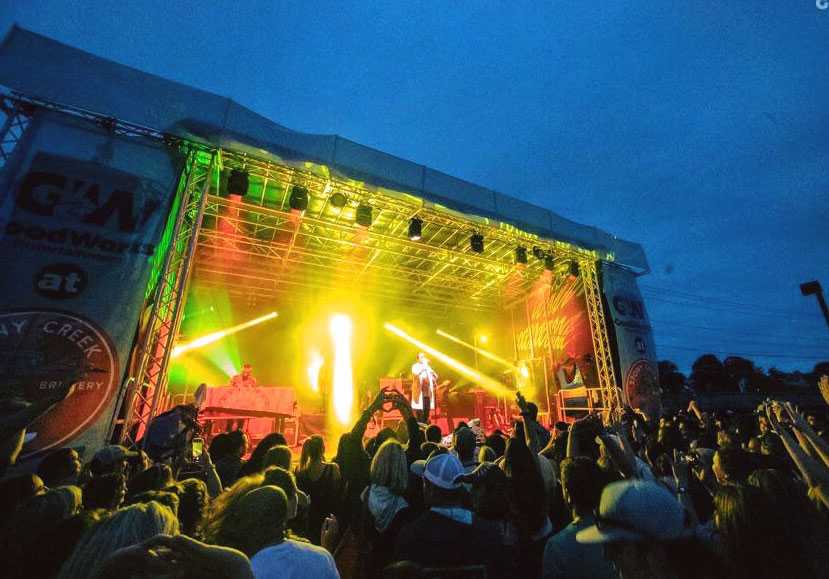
[
  {"x": 773, "y": 417},
  {"x": 401, "y": 403},
  {"x": 521, "y": 402},
  {"x": 330, "y": 533},
  {"x": 794, "y": 416},
  {"x": 378, "y": 401},
  {"x": 681, "y": 470}
]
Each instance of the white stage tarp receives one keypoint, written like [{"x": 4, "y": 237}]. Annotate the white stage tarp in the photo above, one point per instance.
[{"x": 40, "y": 67}]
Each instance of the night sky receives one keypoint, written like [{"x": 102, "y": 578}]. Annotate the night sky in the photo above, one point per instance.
[{"x": 699, "y": 129}]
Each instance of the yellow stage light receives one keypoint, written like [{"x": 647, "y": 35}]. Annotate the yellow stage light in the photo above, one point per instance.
[
  {"x": 473, "y": 375},
  {"x": 340, "y": 327},
  {"x": 523, "y": 370},
  {"x": 216, "y": 336},
  {"x": 314, "y": 367},
  {"x": 481, "y": 351},
  {"x": 483, "y": 339}
]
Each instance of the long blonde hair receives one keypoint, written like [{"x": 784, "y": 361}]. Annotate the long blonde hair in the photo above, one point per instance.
[
  {"x": 128, "y": 526},
  {"x": 224, "y": 502},
  {"x": 389, "y": 467}
]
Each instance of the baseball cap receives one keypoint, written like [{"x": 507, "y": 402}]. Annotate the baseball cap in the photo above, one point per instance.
[
  {"x": 113, "y": 453},
  {"x": 635, "y": 510},
  {"x": 442, "y": 470}
]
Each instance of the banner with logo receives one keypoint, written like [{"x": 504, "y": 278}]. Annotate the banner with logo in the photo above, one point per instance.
[
  {"x": 81, "y": 212},
  {"x": 628, "y": 325}
]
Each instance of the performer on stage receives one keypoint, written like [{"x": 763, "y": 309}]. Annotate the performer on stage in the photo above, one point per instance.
[
  {"x": 245, "y": 379},
  {"x": 423, "y": 387},
  {"x": 569, "y": 374}
]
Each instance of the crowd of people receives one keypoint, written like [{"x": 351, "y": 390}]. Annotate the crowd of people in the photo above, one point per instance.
[{"x": 693, "y": 494}]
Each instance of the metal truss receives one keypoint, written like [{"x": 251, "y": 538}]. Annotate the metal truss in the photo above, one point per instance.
[
  {"x": 611, "y": 397},
  {"x": 256, "y": 246},
  {"x": 17, "y": 117},
  {"x": 145, "y": 389}
]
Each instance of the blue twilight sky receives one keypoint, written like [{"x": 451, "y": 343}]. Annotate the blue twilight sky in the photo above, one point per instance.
[{"x": 700, "y": 129}]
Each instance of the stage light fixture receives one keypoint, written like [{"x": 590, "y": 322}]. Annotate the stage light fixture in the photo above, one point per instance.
[
  {"x": 538, "y": 253},
  {"x": 338, "y": 200},
  {"x": 476, "y": 243},
  {"x": 299, "y": 198},
  {"x": 238, "y": 183},
  {"x": 520, "y": 254},
  {"x": 549, "y": 262},
  {"x": 415, "y": 228},
  {"x": 573, "y": 269},
  {"x": 363, "y": 215}
]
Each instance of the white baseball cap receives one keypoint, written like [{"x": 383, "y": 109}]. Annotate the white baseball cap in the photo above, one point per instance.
[
  {"x": 635, "y": 510},
  {"x": 442, "y": 470}
]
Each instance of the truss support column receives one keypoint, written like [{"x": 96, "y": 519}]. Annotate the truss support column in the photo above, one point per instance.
[
  {"x": 13, "y": 129},
  {"x": 149, "y": 377},
  {"x": 598, "y": 330}
]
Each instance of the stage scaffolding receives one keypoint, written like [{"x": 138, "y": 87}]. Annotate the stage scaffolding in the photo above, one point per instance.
[{"x": 257, "y": 247}]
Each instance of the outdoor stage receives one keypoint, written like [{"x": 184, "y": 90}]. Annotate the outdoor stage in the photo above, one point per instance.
[
  {"x": 212, "y": 237},
  {"x": 491, "y": 317}
]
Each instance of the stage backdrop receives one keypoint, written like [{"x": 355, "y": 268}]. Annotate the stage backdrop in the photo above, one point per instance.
[
  {"x": 634, "y": 353},
  {"x": 81, "y": 212},
  {"x": 551, "y": 328}
]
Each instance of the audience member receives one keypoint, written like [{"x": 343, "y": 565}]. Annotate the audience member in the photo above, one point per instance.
[
  {"x": 258, "y": 528},
  {"x": 60, "y": 467},
  {"x": 320, "y": 480},
  {"x": 194, "y": 502},
  {"x": 464, "y": 445},
  {"x": 564, "y": 556},
  {"x": 231, "y": 451},
  {"x": 111, "y": 459},
  {"x": 388, "y": 510},
  {"x": 445, "y": 535},
  {"x": 642, "y": 528},
  {"x": 256, "y": 462},
  {"x": 128, "y": 526},
  {"x": 281, "y": 456},
  {"x": 106, "y": 491}
]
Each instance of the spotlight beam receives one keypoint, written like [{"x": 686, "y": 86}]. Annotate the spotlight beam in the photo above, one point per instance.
[
  {"x": 481, "y": 351},
  {"x": 216, "y": 336},
  {"x": 314, "y": 367},
  {"x": 341, "y": 329},
  {"x": 484, "y": 381}
]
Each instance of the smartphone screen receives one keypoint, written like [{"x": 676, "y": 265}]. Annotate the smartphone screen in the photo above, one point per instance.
[{"x": 198, "y": 447}]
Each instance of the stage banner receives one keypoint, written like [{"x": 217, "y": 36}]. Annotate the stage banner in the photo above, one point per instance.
[
  {"x": 81, "y": 213},
  {"x": 629, "y": 327}
]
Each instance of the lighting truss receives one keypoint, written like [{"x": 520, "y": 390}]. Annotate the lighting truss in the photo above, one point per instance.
[{"x": 261, "y": 248}]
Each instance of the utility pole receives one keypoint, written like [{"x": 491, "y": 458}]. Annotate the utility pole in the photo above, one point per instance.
[{"x": 813, "y": 288}]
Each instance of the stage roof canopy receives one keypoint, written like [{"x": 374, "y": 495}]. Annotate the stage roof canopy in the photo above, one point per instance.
[{"x": 42, "y": 68}]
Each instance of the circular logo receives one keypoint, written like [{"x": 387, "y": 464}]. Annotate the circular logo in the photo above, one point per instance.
[
  {"x": 60, "y": 281},
  {"x": 47, "y": 353},
  {"x": 642, "y": 388}
]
